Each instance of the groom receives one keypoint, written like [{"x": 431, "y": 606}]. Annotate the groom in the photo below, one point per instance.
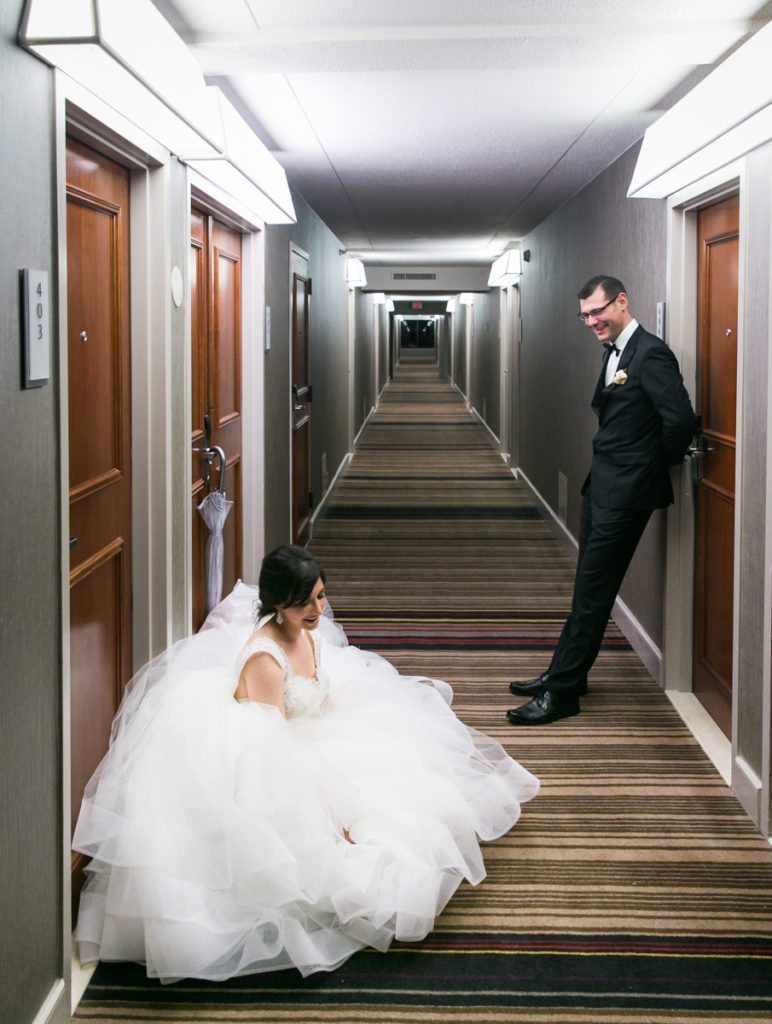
[{"x": 646, "y": 422}]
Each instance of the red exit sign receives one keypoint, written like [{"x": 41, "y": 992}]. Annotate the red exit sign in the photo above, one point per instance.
[{"x": 417, "y": 305}]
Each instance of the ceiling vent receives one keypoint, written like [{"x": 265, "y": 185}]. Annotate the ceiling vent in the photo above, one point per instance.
[{"x": 414, "y": 277}]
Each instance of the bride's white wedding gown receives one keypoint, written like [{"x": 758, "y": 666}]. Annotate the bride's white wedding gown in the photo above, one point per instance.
[{"x": 216, "y": 826}]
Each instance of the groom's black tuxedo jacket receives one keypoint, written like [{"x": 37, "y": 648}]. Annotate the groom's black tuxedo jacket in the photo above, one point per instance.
[{"x": 645, "y": 426}]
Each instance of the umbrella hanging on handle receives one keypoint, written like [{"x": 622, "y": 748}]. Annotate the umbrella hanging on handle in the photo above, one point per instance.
[{"x": 214, "y": 511}]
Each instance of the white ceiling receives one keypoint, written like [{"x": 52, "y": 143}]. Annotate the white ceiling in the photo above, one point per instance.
[{"x": 443, "y": 130}]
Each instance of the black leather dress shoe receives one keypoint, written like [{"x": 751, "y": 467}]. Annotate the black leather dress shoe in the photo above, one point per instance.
[
  {"x": 530, "y": 687},
  {"x": 533, "y": 687},
  {"x": 546, "y": 707}
]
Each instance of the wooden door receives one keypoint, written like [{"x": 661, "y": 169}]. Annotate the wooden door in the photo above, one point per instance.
[
  {"x": 99, "y": 398},
  {"x": 215, "y": 276},
  {"x": 301, "y": 411},
  {"x": 718, "y": 240}
]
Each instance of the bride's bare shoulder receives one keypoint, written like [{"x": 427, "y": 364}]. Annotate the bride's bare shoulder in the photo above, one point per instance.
[{"x": 266, "y": 631}]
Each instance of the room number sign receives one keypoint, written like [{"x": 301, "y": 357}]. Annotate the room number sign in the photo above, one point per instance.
[{"x": 37, "y": 328}]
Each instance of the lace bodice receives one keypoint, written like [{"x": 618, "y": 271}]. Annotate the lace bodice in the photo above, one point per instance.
[{"x": 302, "y": 695}]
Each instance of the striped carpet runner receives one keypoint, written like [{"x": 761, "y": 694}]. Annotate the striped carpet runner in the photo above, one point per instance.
[{"x": 634, "y": 890}]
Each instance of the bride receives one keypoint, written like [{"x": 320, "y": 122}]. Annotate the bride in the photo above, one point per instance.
[{"x": 284, "y": 801}]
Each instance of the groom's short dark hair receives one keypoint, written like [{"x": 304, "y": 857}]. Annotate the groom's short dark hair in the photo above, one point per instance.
[{"x": 612, "y": 286}]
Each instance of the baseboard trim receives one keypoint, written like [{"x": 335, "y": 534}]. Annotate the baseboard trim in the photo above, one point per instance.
[
  {"x": 368, "y": 417},
  {"x": 485, "y": 425},
  {"x": 635, "y": 634},
  {"x": 52, "y": 1004},
  {"x": 747, "y": 787},
  {"x": 344, "y": 462}
]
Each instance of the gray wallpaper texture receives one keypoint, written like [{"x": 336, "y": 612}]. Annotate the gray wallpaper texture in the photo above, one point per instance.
[
  {"x": 486, "y": 356},
  {"x": 31, "y": 954},
  {"x": 599, "y": 231},
  {"x": 328, "y": 332}
]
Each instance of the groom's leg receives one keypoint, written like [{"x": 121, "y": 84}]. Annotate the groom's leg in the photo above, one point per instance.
[{"x": 608, "y": 539}]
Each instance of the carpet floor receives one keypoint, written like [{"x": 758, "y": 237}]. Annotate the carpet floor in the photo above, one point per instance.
[{"x": 634, "y": 890}]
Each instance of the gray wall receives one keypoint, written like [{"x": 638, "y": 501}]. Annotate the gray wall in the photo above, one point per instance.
[
  {"x": 383, "y": 346},
  {"x": 598, "y": 231},
  {"x": 461, "y": 316},
  {"x": 31, "y": 954},
  {"x": 486, "y": 354},
  {"x": 329, "y": 362}
]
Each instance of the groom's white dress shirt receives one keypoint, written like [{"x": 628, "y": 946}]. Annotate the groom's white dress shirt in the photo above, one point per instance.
[{"x": 621, "y": 341}]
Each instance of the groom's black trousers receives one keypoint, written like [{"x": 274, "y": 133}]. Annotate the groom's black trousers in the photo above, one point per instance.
[{"x": 608, "y": 538}]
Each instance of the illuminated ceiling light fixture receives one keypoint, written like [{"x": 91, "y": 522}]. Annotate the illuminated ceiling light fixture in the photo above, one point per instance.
[
  {"x": 506, "y": 269},
  {"x": 245, "y": 168},
  {"x": 725, "y": 116},
  {"x": 355, "y": 273},
  {"x": 131, "y": 58}
]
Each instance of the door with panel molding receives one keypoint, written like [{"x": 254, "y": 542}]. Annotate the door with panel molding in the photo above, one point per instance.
[
  {"x": 717, "y": 263},
  {"x": 215, "y": 279},
  {"x": 99, "y": 402}
]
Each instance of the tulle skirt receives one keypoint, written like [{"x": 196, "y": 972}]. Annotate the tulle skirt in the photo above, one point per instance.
[{"x": 217, "y": 828}]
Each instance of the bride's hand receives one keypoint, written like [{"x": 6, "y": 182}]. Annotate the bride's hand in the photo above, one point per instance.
[{"x": 347, "y": 837}]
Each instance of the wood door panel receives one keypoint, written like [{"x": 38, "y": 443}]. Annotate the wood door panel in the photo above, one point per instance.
[
  {"x": 718, "y": 249},
  {"x": 95, "y": 361},
  {"x": 716, "y": 581},
  {"x": 216, "y": 356},
  {"x": 99, "y": 410},
  {"x": 95, "y": 643},
  {"x": 233, "y": 527},
  {"x": 227, "y": 314},
  {"x": 719, "y": 382}
]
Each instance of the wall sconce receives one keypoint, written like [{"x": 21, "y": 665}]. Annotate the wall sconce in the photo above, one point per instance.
[
  {"x": 466, "y": 299},
  {"x": 355, "y": 274},
  {"x": 506, "y": 269},
  {"x": 245, "y": 168},
  {"x": 726, "y": 115},
  {"x": 389, "y": 306},
  {"x": 451, "y": 306},
  {"x": 379, "y": 299},
  {"x": 131, "y": 58}
]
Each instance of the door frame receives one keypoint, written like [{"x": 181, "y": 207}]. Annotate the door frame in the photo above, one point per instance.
[
  {"x": 351, "y": 362},
  {"x": 208, "y": 197},
  {"x": 160, "y": 409},
  {"x": 296, "y": 255},
  {"x": 469, "y": 328},
  {"x": 81, "y": 114},
  {"x": 376, "y": 350},
  {"x": 682, "y": 331}
]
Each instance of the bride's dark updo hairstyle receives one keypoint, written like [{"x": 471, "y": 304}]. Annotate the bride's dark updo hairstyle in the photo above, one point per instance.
[{"x": 287, "y": 577}]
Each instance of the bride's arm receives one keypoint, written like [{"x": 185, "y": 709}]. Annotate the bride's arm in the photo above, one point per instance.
[{"x": 262, "y": 681}]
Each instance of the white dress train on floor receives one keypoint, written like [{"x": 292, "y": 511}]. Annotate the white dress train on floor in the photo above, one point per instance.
[{"x": 216, "y": 826}]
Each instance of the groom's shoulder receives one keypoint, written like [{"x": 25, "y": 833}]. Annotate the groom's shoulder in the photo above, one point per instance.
[
  {"x": 647, "y": 343},
  {"x": 646, "y": 338}
]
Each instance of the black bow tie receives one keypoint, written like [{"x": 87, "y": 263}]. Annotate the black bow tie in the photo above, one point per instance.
[{"x": 610, "y": 347}]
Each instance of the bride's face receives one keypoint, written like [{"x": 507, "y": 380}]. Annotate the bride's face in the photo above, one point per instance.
[{"x": 306, "y": 616}]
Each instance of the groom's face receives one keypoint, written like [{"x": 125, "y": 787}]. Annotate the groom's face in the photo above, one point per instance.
[{"x": 612, "y": 317}]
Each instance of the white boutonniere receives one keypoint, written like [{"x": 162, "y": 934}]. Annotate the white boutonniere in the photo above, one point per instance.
[{"x": 620, "y": 377}]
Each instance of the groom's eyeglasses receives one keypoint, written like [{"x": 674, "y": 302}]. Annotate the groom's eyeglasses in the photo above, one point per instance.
[{"x": 595, "y": 313}]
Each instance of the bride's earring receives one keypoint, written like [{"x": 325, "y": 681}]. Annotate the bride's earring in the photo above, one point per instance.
[{"x": 279, "y": 617}]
